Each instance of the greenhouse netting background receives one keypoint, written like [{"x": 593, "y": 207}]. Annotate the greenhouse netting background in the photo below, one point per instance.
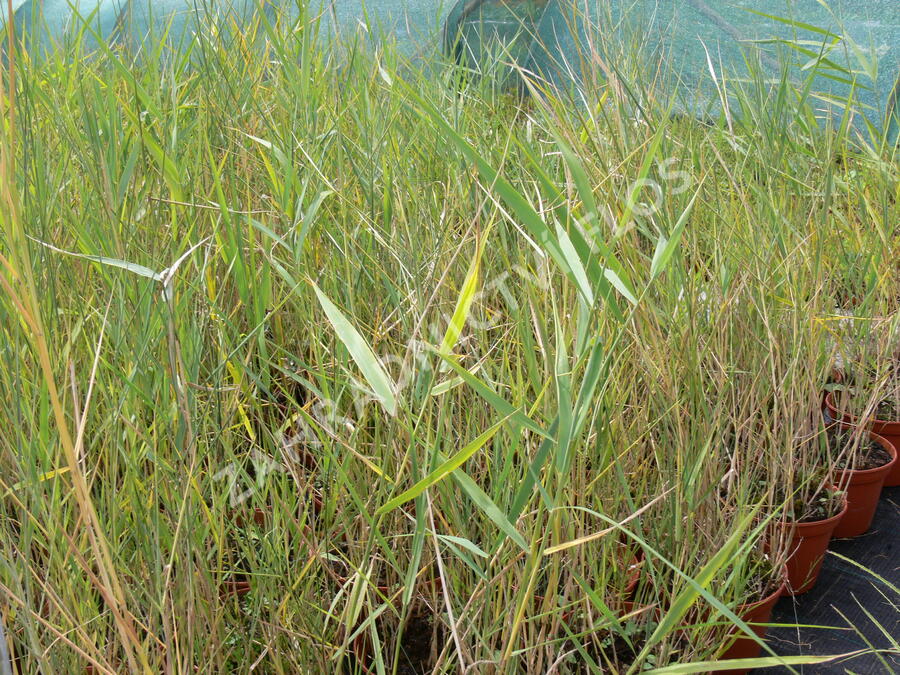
[{"x": 844, "y": 47}]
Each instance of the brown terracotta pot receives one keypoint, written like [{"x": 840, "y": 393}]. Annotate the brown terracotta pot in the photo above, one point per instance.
[
  {"x": 636, "y": 566},
  {"x": 263, "y": 517},
  {"x": 837, "y": 377},
  {"x": 258, "y": 516},
  {"x": 746, "y": 647},
  {"x": 890, "y": 431},
  {"x": 230, "y": 588},
  {"x": 863, "y": 490},
  {"x": 806, "y": 546}
]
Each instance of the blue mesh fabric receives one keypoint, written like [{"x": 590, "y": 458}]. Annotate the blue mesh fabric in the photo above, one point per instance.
[{"x": 561, "y": 40}]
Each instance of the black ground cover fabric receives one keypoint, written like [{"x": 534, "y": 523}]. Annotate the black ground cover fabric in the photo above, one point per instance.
[{"x": 842, "y": 597}]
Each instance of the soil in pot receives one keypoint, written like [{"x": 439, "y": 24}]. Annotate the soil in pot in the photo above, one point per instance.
[
  {"x": 416, "y": 653},
  {"x": 885, "y": 423},
  {"x": 421, "y": 640},
  {"x": 873, "y": 452},
  {"x": 610, "y": 651},
  {"x": 596, "y": 647},
  {"x": 862, "y": 478}
]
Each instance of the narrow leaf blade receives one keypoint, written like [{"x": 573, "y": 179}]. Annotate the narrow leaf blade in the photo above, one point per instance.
[{"x": 361, "y": 352}]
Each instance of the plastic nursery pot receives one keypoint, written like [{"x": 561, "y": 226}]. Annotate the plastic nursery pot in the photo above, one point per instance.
[
  {"x": 753, "y": 614},
  {"x": 628, "y": 605},
  {"x": 863, "y": 490},
  {"x": 890, "y": 431},
  {"x": 263, "y": 516},
  {"x": 239, "y": 588},
  {"x": 636, "y": 567},
  {"x": 806, "y": 546},
  {"x": 624, "y": 605},
  {"x": 836, "y": 377},
  {"x": 257, "y": 517}
]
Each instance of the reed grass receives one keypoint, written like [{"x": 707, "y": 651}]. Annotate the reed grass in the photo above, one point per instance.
[{"x": 433, "y": 331}]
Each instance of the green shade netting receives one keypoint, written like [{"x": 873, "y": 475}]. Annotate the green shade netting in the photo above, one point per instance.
[{"x": 844, "y": 46}]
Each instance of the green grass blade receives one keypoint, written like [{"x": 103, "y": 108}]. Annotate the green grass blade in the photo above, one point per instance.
[
  {"x": 564, "y": 400},
  {"x": 443, "y": 470},
  {"x": 500, "y": 404},
  {"x": 795, "y": 24},
  {"x": 666, "y": 247},
  {"x": 140, "y": 270},
  {"x": 464, "y": 302},
  {"x": 750, "y": 664},
  {"x": 361, "y": 353},
  {"x": 489, "y": 508}
]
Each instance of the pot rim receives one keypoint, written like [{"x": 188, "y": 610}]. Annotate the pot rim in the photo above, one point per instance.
[
  {"x": 824, "y": 521},
  {"x": 878, "y": 438},
  {"x": 848, "y": 417},
  {"x": 749, "y": 607}
]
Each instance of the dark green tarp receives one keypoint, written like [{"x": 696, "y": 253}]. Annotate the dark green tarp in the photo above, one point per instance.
[{"x": 845, "y": 46}]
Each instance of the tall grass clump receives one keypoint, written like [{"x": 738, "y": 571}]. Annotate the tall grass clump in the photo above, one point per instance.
[{"x": 451, "y": 378}]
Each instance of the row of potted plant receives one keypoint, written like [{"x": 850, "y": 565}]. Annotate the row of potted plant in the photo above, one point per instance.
[
  {"x": 846, "y": 462},
  {"x": 844, "y": 504},
  {"x": 857, "y": 457}
]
